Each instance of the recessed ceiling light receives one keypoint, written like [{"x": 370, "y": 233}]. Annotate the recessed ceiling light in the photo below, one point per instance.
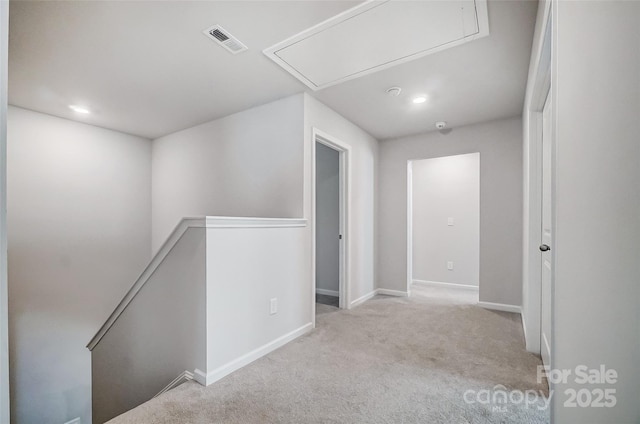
[
  {"x": 79, "y": 109},
  {"x": 420, "y": 99}
]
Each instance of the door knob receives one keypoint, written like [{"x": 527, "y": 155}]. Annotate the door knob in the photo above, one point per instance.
[{"x": 544, "y": 248}]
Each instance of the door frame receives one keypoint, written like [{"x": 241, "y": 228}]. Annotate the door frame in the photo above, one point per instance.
[
  {"x": 344, "y": 155},
  {"x": 533, "y": 120},
  {"x": 547, "y": 102},
  {"x": 410, "y": 225},
  {"x": 410, "y": 218}
]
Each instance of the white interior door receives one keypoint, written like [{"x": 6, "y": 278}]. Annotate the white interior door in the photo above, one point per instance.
[{"x": 545, "y": 246}]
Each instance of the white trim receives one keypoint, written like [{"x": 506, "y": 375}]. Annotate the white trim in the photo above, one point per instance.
[
  {"x": 250, "y": 222},
  {"x": 383, "y": 292},
  {"x": 200, "y": 377},
  {"x": 409, "y": 224},
  {"x": 500, "y": 307},
  {"x": 447, "y": 285},
  {"x": 182, "y": 378},
  {"x": 4, "y": 304},
  {"x": 482, "y": 18},
  {"x": 159, "y": 257},
  {"x": 397, "y": 293},
  {"x": 172, "y": 240},
  {"x": 328, "y": 292},
  {"x": 409, "y": 227},
  {"x": 546, "y": 351},
  {"x": 344, "y": 150},
  {"x": 538, "y": 85},
  {"x": 363, "y": 299},
  {"x": 207, "y": 379}
]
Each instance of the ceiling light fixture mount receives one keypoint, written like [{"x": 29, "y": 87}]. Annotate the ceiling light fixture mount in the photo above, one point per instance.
[{"x": 79, "y": 109}]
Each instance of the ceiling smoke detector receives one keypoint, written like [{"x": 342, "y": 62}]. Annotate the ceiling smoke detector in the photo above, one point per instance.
[
  {"x": 225, "y": 39},
  {"x": 394, "y": 91},
  {"x": 441, "y": 125}
]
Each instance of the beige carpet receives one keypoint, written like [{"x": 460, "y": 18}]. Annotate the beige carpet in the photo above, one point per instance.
[{"x": 390, "y": 360}]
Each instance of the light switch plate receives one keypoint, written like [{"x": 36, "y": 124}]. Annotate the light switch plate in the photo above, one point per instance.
[
  {"x": 274, "y": 306},
  {"x": 450, "y": 221}
]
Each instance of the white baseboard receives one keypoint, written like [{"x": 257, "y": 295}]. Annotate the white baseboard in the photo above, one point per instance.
[
  {"x": 532, "y": 346},
  {"x": 182, "y": 378},
  {"x": 388, "y": 292},
  {"x": 445, "y": 285},
  {"x": 385, "y": 292},
  {"x": 500, "y": 307},
  {"x": 328, "y": 292},
  {"x": 211, "y": 377},
  {"x": 200, "y": 377},
  {"x": 362, "y": 299}
]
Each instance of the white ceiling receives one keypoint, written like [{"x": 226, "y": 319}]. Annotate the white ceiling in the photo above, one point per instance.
[{"x": 145, "y": 68}]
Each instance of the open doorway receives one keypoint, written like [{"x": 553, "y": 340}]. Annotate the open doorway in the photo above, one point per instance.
[
  {"x": 327, "y": 225},
  {"x": 444, "y": 227},
  {"x": 330, "y": 229}
]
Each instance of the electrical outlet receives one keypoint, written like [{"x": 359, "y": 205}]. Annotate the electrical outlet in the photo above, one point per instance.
[
  {"x": 273, "y": 306},
  {"x": 450, "y": 265},
  {"x": 74, "y": 421}
]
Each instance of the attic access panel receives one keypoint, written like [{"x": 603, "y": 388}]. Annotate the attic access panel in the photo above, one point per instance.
[{"x": 376, "y": 35}]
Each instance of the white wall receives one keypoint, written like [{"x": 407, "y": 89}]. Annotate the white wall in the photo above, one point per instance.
[
  {"x": 500, "y": 146},
  {"x": 363, "y": 176},
  {"x": 4, "y": 304},
  {"x": 443, "y": 188},
  {"x": 327, "y": 218},
  {"x": 246, "y": 164},
  {"x": 258, "y": 163},
  {"x": 246, "y": 268},
  {"x": 160, "y": 334},
  {"x": 596, "y": 304},
  {"x": 79, "y": 207}
]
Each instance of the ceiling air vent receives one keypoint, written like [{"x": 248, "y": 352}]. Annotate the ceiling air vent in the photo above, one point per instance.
[{"x": 226, "y": 40}]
